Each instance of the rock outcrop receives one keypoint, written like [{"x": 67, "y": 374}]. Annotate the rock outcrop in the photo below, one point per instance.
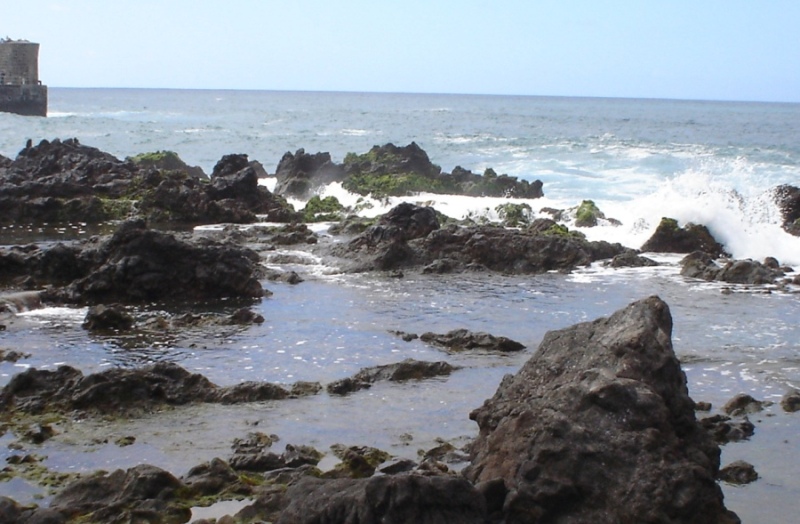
[
  {"x": 670, "y": 238},
  {"x": 408, "y": 369},
  {"x": 299, "y": 174},
  {"x": 65, "y": 181},
  {"x": 391, "y": 170},
  {"x": 404, "y": 244},
  {"x": 136, "y": 265},
  {"x": 788, "y": 199},
  {"x": 462, "y": 339},
  {"x": 118, "y": 390},
  {"x": 703, "y": 266},
  {"x": 598, "y": 427}
]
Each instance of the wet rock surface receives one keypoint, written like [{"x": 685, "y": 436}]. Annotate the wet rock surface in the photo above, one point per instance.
[
  {"x": 462, "y": 339},
  {"x": 598, "y": 427},
  {"x": 408, "y": 369},
  {"x": 701, "y": 265},
  {"x": 453, "y": 249},
  {"x": 117, "y": 391},
  {"x": 738, "y": 472}
]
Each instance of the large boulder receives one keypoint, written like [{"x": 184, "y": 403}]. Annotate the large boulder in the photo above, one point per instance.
[
  {"x": 671, "y": 238},
  {"x": 598, "y": 427},
  {"x": 300, "y": 173}
]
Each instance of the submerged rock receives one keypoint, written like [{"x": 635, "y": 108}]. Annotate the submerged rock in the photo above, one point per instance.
[{"x": 598, "y": 427}]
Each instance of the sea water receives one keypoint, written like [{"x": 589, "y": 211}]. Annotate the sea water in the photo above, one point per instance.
[{"x": 712, "y": 163}]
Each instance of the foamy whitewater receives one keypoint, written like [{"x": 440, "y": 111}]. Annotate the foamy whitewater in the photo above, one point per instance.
[{"x": 711, "y": 163}]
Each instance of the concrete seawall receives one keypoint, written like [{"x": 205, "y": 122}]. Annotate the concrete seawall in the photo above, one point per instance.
[{"x": 29, "y": 100}]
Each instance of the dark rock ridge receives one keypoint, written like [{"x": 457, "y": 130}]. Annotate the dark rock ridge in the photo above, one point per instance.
[
  {"x": 670, "y": 238},
  {"x": 390, "y": 170},
  {"x": 138, "y": 264},
  {"x": 598, "y": 427},
  {"x": 703, "y": 266},
  {"x": 69, "y": 182},
  {"x": 118, "y": 391},
  {"x": 462, "y": 339},
  {"x": 408, "y": 369},
  {"x": 404, "y": 244}
]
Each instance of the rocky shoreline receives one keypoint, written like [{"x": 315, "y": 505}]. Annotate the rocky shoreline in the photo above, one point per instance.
[
  {"x": 604, "y": 435},
  {"x": 597, "y": 426}
]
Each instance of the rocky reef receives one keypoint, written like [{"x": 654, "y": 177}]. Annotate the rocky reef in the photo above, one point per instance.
[{"x": 391, "y": 170}]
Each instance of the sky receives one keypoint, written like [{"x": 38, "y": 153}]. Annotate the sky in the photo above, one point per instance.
[{"x": 681, "y": 49}]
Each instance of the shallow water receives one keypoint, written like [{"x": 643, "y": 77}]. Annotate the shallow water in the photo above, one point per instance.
[{"x": 332, "y": 325}]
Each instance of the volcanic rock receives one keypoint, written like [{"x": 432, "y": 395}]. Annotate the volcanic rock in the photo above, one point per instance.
[
  {"x": 112, "y": 317},
  {"x": 300, "y": 173},
  {"x": 138, "y": 264},
  {"x": 141, "y": 494},
  {"x": 69, "y": 182},
  {"x": 408, "y": 369},
  {"x": 739, "y": 472},
  {"x": 392, "y": 498},
  {"x": 462, "y": 339},
  {"x": 598, "y": 427},
  {"x": 669, "y": 238},
  {"x": 701, "y": 265},
  {"x": 791, "y": 401},
  {"x": 124, "y": 390}
]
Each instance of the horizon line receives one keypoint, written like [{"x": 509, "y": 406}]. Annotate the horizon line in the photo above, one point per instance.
[{"x": 420, "y": 93}]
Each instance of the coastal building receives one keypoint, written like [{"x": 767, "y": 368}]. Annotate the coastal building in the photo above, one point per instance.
[{"x": 21, "y": 91}]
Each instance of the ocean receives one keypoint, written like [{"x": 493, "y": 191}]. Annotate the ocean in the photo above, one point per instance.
[{"x": 712, "y": 163}]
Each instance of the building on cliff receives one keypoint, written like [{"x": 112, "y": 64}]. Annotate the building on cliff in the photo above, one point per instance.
[{"x": 21, "y": 91}]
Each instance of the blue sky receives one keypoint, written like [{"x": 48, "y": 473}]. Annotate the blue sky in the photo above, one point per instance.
[{"x": 707, "y": 49}]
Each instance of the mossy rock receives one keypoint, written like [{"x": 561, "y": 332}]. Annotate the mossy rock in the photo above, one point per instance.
[
  {"x": 587, "y": 214},
  {"x": 166, "y": 161},
  {"x": 326, "y": 209},
  {"x": 514, "y": 215}
]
